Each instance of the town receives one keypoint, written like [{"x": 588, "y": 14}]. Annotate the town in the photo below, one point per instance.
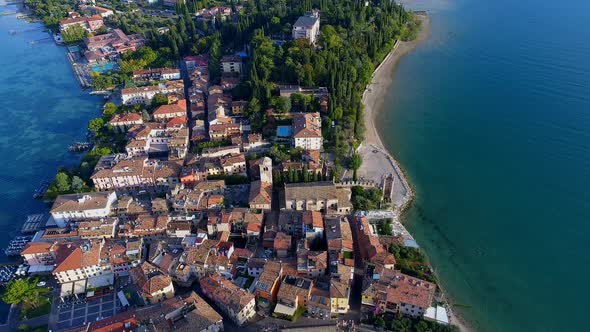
[{"x": 222, "y": 189}]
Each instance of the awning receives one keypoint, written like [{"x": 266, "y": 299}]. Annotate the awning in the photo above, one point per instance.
[
  {"x": 285, "y": 310},
  {"x": 438, "y": 314},
  {"x": 66, "y": 289}
]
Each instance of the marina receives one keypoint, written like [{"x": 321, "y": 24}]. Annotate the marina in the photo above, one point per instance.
[
  {"x": 17, "y": 245},
  {"x": 6, "y": 273},
  {"x": 34, "y": 223}
]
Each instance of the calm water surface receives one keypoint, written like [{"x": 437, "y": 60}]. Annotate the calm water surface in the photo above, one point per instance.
[
  {"x": 42, "y": 111},
  {"x": 491, "y": 120}
]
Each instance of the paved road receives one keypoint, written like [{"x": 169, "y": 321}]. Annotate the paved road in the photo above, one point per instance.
[
  {"x": 376, "y": 165},
  {"x": 12, "y": 320},
  {"x": 300, "y": 322}
]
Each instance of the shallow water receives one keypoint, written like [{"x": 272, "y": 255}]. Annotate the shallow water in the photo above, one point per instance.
[{"x": 43, "y": 110}]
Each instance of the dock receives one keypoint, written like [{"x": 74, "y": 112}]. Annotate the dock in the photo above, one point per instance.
[
  {"x": 34, "y": 223},
  {"x": 79, "y": 71}
]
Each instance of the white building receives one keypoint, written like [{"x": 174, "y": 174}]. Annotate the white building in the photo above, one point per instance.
[
  {"x": 143, "y": 95},
  {"x": 307, "y": 27},
  {"x": 231, "y": 64},
  {"x": 156, "y": 74},
  {"x": 265, "y": 170},
  {"x": 82, "y": 206},
  {"x": 80, "y": 268},
  {"x": 307, "y": 131},
  {"x": 40, "y": 256},
  {"x": 138, "y": 174}
]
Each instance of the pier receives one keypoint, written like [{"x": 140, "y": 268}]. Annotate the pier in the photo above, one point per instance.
[
  {"x": 79, "y": 71},
  {"x": 34, "y": 223}
]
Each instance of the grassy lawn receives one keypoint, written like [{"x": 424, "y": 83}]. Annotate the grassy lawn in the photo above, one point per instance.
[
  {"x": 28, "y": 312},
  {"x": 347, "y": 254}
]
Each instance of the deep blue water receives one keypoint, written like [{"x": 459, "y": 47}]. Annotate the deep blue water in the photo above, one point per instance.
[
  {"x": 42, "y": 111},
  {"x": 490, "y": 117}
]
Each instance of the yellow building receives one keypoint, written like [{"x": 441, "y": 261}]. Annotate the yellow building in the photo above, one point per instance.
[{"x": 339, "y": 294}]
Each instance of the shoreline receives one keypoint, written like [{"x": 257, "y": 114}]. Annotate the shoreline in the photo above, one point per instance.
[{"x": 373, "y": 102}]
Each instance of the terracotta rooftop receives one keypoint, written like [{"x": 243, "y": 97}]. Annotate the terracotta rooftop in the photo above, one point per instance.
[
  {"x": 282, "y": 241},
  {"x": 307, "y": 125},
  {"x": 85, "y": 254},
  {"x": 149, "y": 278},
  {"x": 37, "y": 248},
  {"x": 122, "y": 322},
  {"x": 181, "y": 313},
  {"x": 410, "y": 290},
  {"x": 313, "y": 218}
]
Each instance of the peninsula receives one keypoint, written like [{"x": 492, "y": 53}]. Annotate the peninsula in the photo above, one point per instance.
[{"x": 235, "y": 178}]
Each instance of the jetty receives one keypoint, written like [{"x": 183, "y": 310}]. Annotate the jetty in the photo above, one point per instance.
[{"x": 79, "y": 71}]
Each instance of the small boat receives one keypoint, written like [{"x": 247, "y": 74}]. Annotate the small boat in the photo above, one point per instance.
[
  {"x": 41, "y": 190},
  {"x": 79, "y": 147}
]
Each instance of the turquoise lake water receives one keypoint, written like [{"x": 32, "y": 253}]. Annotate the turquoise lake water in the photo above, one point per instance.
[
  {"x": 42, "y": 111},
  {"x": 490, "y": 117}
]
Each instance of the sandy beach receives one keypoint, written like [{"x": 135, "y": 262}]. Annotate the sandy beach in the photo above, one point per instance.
[{"x": 377, "y": 161}]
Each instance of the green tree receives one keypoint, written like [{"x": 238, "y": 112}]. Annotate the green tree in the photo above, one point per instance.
[
  {"x": 62, "y": 182},
  {"x": 101, "y": 81},
  {"x": 159, "y": 100},
  {"x": 387, "y": 229},
  {"x": 22, "y": 290},
  {"x": 355, "y": 161},
  {"x": 101, "y": 31},
  {"x": 109, "y": 110},
  {"x": 145, "y": 115},
  {"x": 379, "y": 322},
  {"x": 74, "y": 34},
  {"x": 78, "y": 184},
  {"x": 277, "y": 154},
  {"x": 281, "y": 104},
  {"x": 95, "y": 125},
  {"x": 330, "y": 38}
]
